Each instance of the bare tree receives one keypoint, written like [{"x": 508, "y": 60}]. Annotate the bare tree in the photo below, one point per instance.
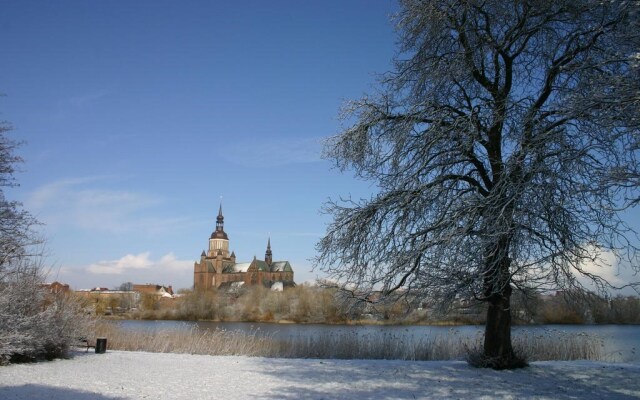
[
  {"x": 126, "y": 286},
  {"x": 34, "y": 324},
  {"x": 16, "y": 225},
  {"x": 504, "y": 147}
]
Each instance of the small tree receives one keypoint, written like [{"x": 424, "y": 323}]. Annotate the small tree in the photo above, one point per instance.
[
  {"x": 125, "y": 287},
  {"x": 504, "y": 147}
]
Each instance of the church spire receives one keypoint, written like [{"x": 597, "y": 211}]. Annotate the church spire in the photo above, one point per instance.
[
  {"x": 268, "y": 256},
  {"x": 219, "y": 232},
  {"x": 220, "y": 220}
]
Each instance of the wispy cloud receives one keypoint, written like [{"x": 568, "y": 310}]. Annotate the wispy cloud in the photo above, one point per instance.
[
  {"x": 85, "y": 99},
  {"x": 273, "y": 151},
  {"x": 131, "y": 263},
  {"x": 81, "y": 203}
]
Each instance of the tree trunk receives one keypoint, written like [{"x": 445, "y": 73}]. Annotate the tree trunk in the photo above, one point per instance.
[{"x": 498, "y": 351}]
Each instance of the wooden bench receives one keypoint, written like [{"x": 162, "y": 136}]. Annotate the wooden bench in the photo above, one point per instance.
[
  {"x": 100, "y": 344},
  {"x": 84, "y": 342}
]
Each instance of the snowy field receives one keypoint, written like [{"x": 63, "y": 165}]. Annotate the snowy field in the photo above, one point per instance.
[{"x": 135, "y": 375}]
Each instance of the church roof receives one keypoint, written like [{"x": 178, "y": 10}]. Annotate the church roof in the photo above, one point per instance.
[
  {"x": 281, "y": 266},
  {"x": 261, "y": 265},
  {"x": 277, "y": 266},
  {"x": 219, "y": 235},
  {"x": 241, "y": 267},
  {"x": 210, "y": 267}
]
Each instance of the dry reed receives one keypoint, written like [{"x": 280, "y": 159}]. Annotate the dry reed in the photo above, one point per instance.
[
  {"x": 189, "y": 341},
  {"x": 552, "y": 345}
]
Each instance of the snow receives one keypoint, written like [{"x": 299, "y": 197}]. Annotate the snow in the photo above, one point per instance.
[
  {"x": 137, "y": 375},
  {"x": 241, "y": 267}
]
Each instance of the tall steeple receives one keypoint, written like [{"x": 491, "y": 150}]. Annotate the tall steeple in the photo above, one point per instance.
[
  {"x": 219, "y": 241},
  {"x": 268, "y": 257},
  {"x": 220, "y": 220},
  {"x": 219, "y": 233}
]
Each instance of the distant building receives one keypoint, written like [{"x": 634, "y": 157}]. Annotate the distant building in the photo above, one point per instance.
[
  {"x": 55, "y": 287},
  {"x": 218, "y": 268},
  {"x": 106, "y": 301},
  {"x": 156, "y": 290}
]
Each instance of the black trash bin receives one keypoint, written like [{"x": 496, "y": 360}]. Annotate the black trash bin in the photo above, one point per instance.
[{"x": 101, "y": 345}]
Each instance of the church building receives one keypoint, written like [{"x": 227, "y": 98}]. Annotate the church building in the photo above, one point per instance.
[{"x": 217, "y": 268}]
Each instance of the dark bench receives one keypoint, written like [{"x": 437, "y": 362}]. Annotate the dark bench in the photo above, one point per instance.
[
  {"x": 84, "y": 342},
  {"x": 100, "y": 344}
]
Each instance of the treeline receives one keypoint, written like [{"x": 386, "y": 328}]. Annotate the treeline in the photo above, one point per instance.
[
  {"x": 312, "y": 304},
  {"x": 576, "y": 308},
  {"x": 301, "y": 304},
  {"x": 256, "y": 304}
]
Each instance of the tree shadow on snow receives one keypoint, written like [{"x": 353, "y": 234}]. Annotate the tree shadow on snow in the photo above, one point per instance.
[
  {"x": 327, "y": 379},
  {"x": 37, "y": 392}
]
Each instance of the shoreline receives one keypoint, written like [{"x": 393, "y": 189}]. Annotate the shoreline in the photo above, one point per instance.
[
  {"x": 134, "y": 375},
  {"x": 355, "y": 323}
]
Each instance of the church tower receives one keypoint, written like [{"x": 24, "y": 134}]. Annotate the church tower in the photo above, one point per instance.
[
  {"x": 268, "y": 257},
  {"x": 218, "y": 269},
  {"x": 219, "y": 241}
]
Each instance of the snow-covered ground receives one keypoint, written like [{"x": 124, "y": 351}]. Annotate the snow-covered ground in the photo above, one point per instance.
[{"x": 135, "y": 375}]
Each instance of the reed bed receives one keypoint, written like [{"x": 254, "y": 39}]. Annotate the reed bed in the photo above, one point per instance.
[
  {"x": 383, "y": 346},
  {"x": 552, "y": 345},
  {"x": 189, "y": 341}
]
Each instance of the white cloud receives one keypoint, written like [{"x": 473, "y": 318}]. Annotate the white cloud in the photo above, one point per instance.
[
  {"x": 136, "y": 268},
  {"x": 134, "y": 264},
  {"x": 606, "y": 265},
  {"x": 121, "y": 265},
  {"x": 168, "y": 262}
]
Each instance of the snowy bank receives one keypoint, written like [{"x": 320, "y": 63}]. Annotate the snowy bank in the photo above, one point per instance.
[{"x": 136, "y": 375}]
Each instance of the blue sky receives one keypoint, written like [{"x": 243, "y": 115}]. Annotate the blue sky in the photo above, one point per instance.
[{"x": 138, "y": 116}]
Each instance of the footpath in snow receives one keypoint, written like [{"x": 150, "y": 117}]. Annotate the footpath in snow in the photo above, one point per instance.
[{"x": 135, "y": 375}]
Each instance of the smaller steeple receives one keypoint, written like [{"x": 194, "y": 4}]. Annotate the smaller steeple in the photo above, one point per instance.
[{"x": 268, "y": 256}]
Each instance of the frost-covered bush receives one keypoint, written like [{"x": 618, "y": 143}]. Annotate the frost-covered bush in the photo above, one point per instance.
[{"x": 34, "y": 324}]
